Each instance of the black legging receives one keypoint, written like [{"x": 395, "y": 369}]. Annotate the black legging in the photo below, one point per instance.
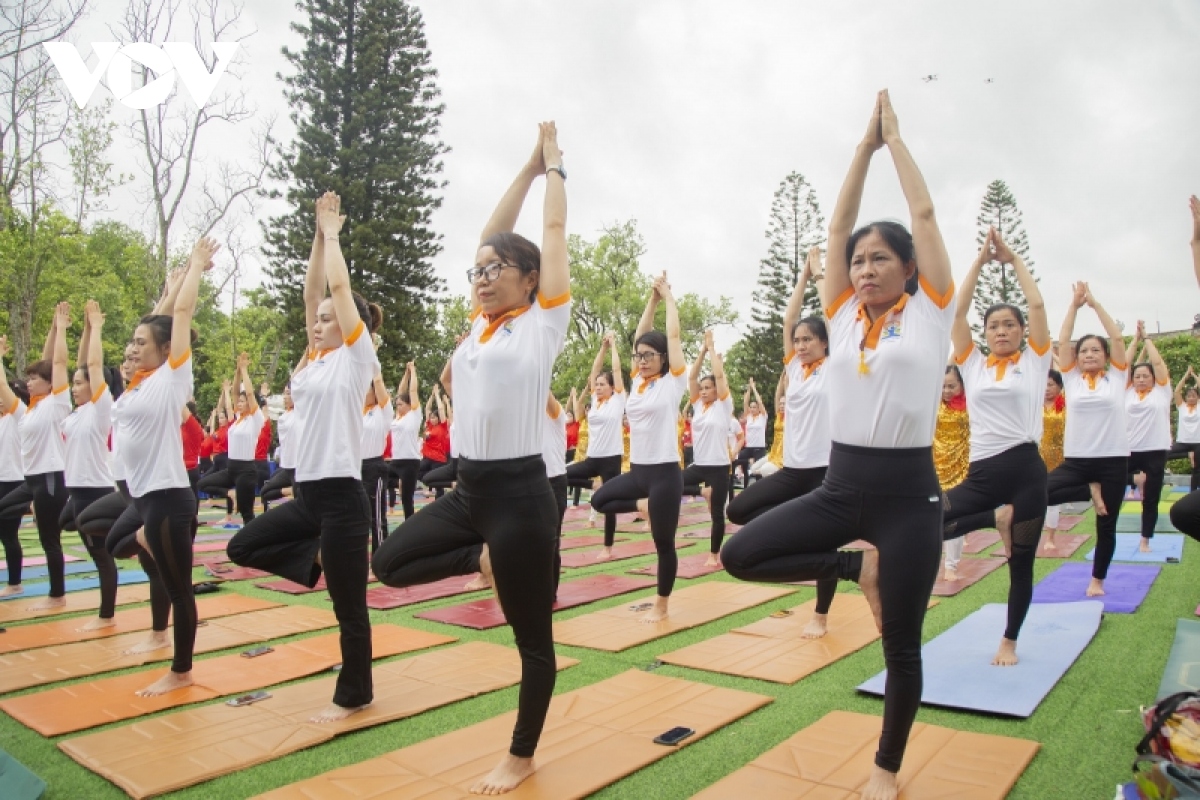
[
  {"x": 763, "y": 495},
  {"x": 273, "y": 489},
  {"x": 327, "y": 517},
  {"x": 428, "y": 465},
  {"x": 242, "y": 477},
  {"x": 169, "y": 517},
  {"x": 218, "y": 463},
  {"x": 715, "y": 478},
  {"x": 79, "y": 500},
  {"x": 1181, "y": 450},
  {"x": 10, "y": 526},
  {"x": 374, "y": 479},
  {"x": 745, "y": 458},
  {"x": 1068, "y": 483},
  {"x": 48, "y": 496},
  {"x": 662, "y": 486},
  {"x": 509, "y": 506},
  {"x": 1185, "y": 515},
  {"x": 405, "y": 471},
  {"x": 1017, "y": 477},
  {"x": 558, "y": 485},
  {"x": 580, "y": 476},
  {"x": 1154, "y": 464},
  {"x": 890, "y": 498},
  {"x": 442, "y": 477}
]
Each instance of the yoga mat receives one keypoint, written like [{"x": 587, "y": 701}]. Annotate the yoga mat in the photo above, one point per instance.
[
  {"x": 1065, "y": 545},
  {"x": 182, "y": 749},
  {"x": 37, "y": 561},
  {"x": 78, "y": 659},
  {"x": 228, "y": 572},
  {"x": 1124, "y": 589},
  {"x": 620, "y": 552},
  {"x": 1132, "y": 523},
  {"x": 291, "y": 587},
  {"x": 1068, "y": 521},
  {"x": 486, "y": 613},
  {"x": 64, "y": 631},
  {"x": 619, "y": 628},
  {"x": 1162, "y": 547},
  {"x": 774, "y": 649},
  {"x": 706, "y": 533},
  {"x": 970, "y": 572},
  {"x": 88, "y": 705},
  {"x": 832, "y": 759},
  {"x": 385, "y": 597},
  {"x": 76, "y": 601},
  {"x": 689, "y": 567},
  {"x": 125, "y": 577},
  {"x": 685, "y": 520},
  {"x": 575, "y": 542},
  {"x": 33, "y": 573},
  {"x": 17, "y": 782},
  {"x": 958, "y": 668},
  {"x": 1182, "y": 673},
  {"x": 209, "y": 547},
  {"x": 593, "y": 737},
  {"x": 978, "y": 541}
]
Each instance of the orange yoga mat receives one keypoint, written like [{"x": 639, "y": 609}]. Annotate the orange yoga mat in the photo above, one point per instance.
[
  {"x": 970, "y": 572},
  {"x": 89, "y": 600},
  {"x": 593, "y": 737},
  {"x": 88, "y": 705},
  {"x": 78, "y": 659},
  {"x": 832, "y": 758},
  {"x": 63, "y": 631},
  {"x": 171, "y": 752}
]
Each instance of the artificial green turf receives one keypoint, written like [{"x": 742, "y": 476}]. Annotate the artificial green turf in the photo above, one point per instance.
[{"x": 1088, "y": 724}]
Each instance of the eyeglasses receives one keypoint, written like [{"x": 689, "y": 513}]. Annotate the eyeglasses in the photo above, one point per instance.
[
  {"x": 645, "y": 355},
  {"x": 491, "y": 272}
]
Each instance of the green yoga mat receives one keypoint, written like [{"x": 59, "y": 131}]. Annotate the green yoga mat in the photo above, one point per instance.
[
  {"x": 1183, "y": 666},
  {"x": 17, "y": 782},
  {"x": 1132, "y": 523}
]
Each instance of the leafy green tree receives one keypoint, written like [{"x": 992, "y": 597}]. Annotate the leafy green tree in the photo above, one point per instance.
[{"x": 998, "y": 282}]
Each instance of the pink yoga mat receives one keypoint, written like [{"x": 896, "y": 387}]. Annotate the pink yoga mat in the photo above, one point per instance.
[
  {"x": 385, "y": 597},
  {"x": 575, "y": 542},
  {"x": 689, "y": 567},
  {"x": 486, "y": 613},
  {"x": 232, "y": 573}
]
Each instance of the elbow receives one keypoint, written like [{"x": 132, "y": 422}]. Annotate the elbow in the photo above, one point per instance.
[{"x": 923, "y": 212}]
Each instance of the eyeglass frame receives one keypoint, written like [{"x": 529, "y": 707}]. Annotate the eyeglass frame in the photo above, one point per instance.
[
  {"x": 645, "y": 356},
  {"x": 477, "y": 272}
]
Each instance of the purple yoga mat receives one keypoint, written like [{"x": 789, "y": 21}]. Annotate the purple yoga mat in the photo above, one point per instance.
[{"x": 1124, "y": 589}]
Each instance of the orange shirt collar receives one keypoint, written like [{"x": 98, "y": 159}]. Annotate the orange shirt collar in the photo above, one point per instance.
[
  {"x": 138, "y": 377},
  {"x": 872, "y": 330},
  {"x": 809, "y": 369},
  {"x": 1092, "y": 377},
  {"x": 494, "y": 324},
  {"x": 1002, "y": 362}
]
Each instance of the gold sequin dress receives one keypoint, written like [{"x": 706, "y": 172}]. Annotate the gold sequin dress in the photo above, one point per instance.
[
  {"x": 1054, "y": 422},
  {"x": 581, "y": 442},
  {"x": 775, "y": 455},
  {"x": 952, "y": 445}
]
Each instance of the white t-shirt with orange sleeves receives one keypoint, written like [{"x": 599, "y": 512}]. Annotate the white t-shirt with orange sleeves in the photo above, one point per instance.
[
  {"x": 1005, "y": 397},
  {"x": 10, "y": 444},
  {"x": 756, "y": 430},
  {"x": 147, "y": 414},
  {"x": 710, "y": 432},
  {"x": 377, "y": 423},
  {"x": 1096, "y": 426},
  {"x": 86, "y": 433},
  {"x": 1149, "y": 418},
  {"x": 653, "y": 413},
  {"x": 1189, "y": 425},
  {"x": 554, "y": 443},
  {"x": 606, "y": 429},
  {"x": 406, "y": 436},
  {"x": 885, "y": 378},
  {"x": 243, "y": 435},
  {"x": 502, "y": 376},
  {"x": 40, "y": 429},
  {"x": 806, "y": 441},
  {"x": 285, "y": 426}
]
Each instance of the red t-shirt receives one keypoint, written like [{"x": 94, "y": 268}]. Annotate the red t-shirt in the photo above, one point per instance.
[
  {"x": 437, "y": 442},
  {"x": 264, "y": 439},
  {"x": 387, "y": 447},
  {"x": 206, "y": 447},
  {"x": 193, "y": 439},
  {"x": 572, "y": 435},
  {"x": 221, "y": 440},
  {"x": 687, "y": 433}
]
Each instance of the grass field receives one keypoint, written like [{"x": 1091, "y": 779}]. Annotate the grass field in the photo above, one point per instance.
[{"x": 1087, "y": 726}]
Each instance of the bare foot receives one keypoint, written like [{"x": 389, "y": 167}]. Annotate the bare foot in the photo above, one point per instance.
[
  {"x": 1095, "y": 588},
  {"x": 1097, "y": 500},
  {"x": 167, "y": 683},
  {"x": 1050, "y": 545},
  {"x": 286, "y": 491},
  {"x": 1145, "y": 546},
  {"x": 1004, "y": 515},
  {"x": 485, "y": 566},
  {"x": 7, "y": 591},
  {"x": 1006, "y": 656},
  {"x": 817, "y": 627},
  {"x": 868, "y": 581},
  {"x": 605, "y": 554},
  {"x": 157, "y": 641},
  {"x": 658, "y": 613},
  {"x": 505, "y": 776},
  {"x": 99, "y": 623},
  {"x": 333, "y": 712},
  {"x": 881, "y": 786},
  {"x": 713, "y": 560},
  {"x": 477, "y": 583},
  {"x": 47, "y": 603},
  {"x": 950, "y": 576}
]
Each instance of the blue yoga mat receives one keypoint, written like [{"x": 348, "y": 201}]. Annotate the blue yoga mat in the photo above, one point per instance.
[
  {"x": 958, "y": 663},
  {"x": 17, "y": 782},
  {"x": 31, "y": 573},
  {"x": 124, "y": 577},
  {"x": 1163, "y": 546},
  {"x": 1132, "y": 523},
  {"x": 1183, "y": 666},
  {"x": 1124, "y": 589}
]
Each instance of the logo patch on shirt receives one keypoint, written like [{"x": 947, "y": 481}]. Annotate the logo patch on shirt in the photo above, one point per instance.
[
  {"x": 508, "y": 327},
  {"x": 892, "y": 332}
]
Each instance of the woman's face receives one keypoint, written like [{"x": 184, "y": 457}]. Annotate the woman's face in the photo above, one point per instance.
[
  {"x": 602, "y": 387},
  {"x": 287, "y": 398},
  {"x": 222, "y": 418},
  {"x": 570, "y": 417},
  {"x": 147, "y": 354},
  {"x": 754, "y": 410},
  {"x": 434, "y": 419},
  {"x": 127, "y": 366},
  {"x": 951, "y": 387},
  {"x": 649, "y": 361},
  {"x": 81, "y": 388},
  {"x": 1143, "y": 379},
  {"x": 37, "y": 385},
  {"x": 241, "y": 406},
  {"x": 1003, "y": 333},
  {"x": 877, "y": 273},
  {"x": 708, "y": 391},
  {"x": 1091, "y": 356},
  {"x": 1053, "y": 390},
  {"x": 807, "y": 346},
  {"x": 327, "y": 333},
  {"x": 511, "y": 288},
  {"x": 1191, "y": 397}
]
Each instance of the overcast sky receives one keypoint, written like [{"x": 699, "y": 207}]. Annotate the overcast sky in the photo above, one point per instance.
[{"x": 686, "y": 115}]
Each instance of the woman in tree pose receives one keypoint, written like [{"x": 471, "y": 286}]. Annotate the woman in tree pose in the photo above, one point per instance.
[
  {"x": 377, "y": 420},
  {"x": 754, "y": 425},
  {"x": 501, "y": 519},
  {"x": 952, "y": 453},
  {"x": 712, "y": 409},
  {"x": 1148, "y": 410},
  {"x": 280, "y": 484},
  {"x": 151, "y": 451},
  {"x": 240, "y": 474},
  {"x": 1005, "y": 392},
  {"x": 572, "y": 426},
  {"x": 435, "y": 452},
  {"x": 1095, "y": 441},
  {"x": 604, "y": 445},
  {"x": 1054, "y": 423},
  {"x": 406, "y": 438},
  {"x": 326, "y": 526},
  {"x": 1187, "y": 431},
  {"x": 1185, "y": 514},
  {"x": 887, "y": 343}
]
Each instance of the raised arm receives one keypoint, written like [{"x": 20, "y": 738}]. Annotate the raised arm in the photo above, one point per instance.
[
  {"x": 646, "y": 323},
  {"x": 927, "y": 238},
  {"x": 694, "y": 372},
  {"x": 845, "y": 211},
  {"x": 314, "y": 279},
  {"x": 81, "y": 355},
  {"x": 382, "y": 398},
  {"x": 48, "y": 346},
  {"x": 718, "y": 365},
  {"x": 745, "y": 402},
  {"x": 1131, "y": 351},
  {"x": 223, "y": 402},
  {"x": 577, "y": 405},
  {"x": 1039, "y": 322},
  {"x": 555, "y": 279},
  {"x": 1162, "y": 373},
  {"x": 445, "y": 379},
  {"x": 244, "y": 384},
  {"x": 58, "y": 359},
  {"x": 185, "y": 301},
  {"x": 1195, "y": 204},
  {"x": 8, "y": 398},
  {"x": 791, "y": 315},
  {"x": 93, "y": 328},
  {"x": 337, "y": 275},
  {"x": 780, "y": 390},
  {"x": 674, "y": 330},
  {"x": 170, "y": 291},
  {"x": 1066, "y": 352},
  {"x": 429, "y": 402},
  {"x": 757, "y": 396},
  {"x": 504, "y": 217},
  {"x": 553, "y": 407},
  {"x": 598, "y": 362},
  {"x": 1116, "y": 339},
  {"x": 1178, "y": 387},
  {"x": 960, "y": 331},
  {"x": 414, "y": 389},
  {"x": 618, "y": 376}
]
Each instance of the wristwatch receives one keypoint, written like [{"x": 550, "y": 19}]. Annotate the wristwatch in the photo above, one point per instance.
[{"x": 559, "y": 169}]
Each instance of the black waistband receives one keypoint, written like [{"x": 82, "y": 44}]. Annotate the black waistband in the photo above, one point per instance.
[
  {"x": 502, "y": 477},
  {"x": 905, "y": 471}
]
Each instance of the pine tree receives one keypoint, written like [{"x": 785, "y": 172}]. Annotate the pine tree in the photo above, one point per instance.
[
  {"x": 365, "y": 105},
  {"x": 998, "y": 282},
  {"x": 796, "y": 224}
]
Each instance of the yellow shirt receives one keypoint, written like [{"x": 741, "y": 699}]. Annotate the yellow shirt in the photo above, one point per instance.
[{"x": 951, "y": 446}]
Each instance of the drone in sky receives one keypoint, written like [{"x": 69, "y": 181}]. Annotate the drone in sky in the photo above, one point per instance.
[{"x": 932, "y": 78}]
